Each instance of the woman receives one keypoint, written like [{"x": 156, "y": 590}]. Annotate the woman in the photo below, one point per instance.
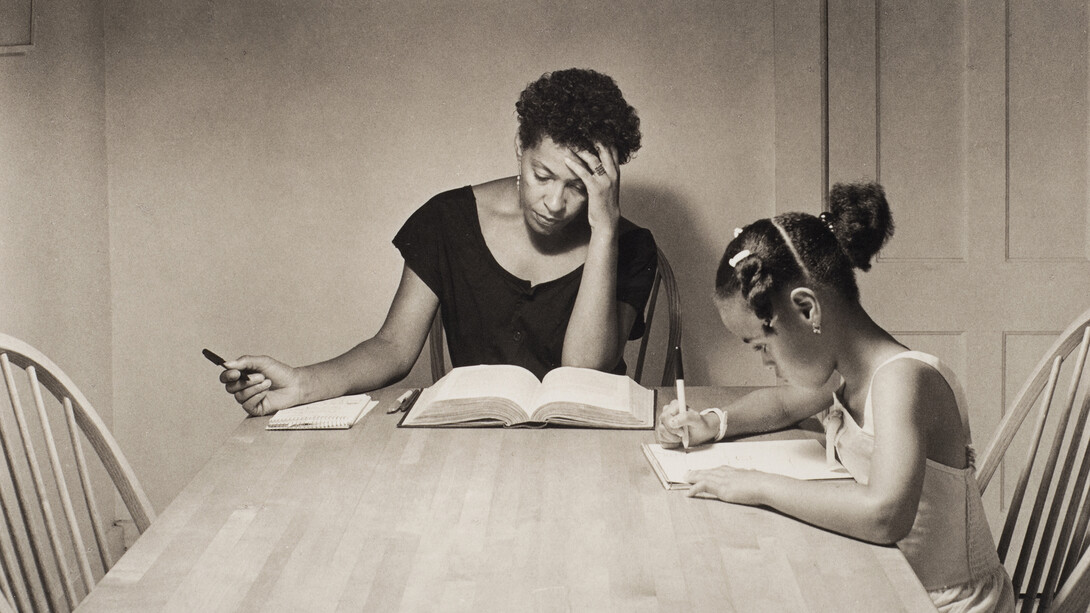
[{"x": 538, "y": 270}]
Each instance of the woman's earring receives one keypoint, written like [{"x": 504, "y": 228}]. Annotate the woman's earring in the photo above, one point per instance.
[
  {"x": 518, "y": 183},
  {"x": 817, "y": 328}
]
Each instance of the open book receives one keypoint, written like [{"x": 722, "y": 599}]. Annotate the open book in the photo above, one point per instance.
[
  {"x": 506, "y": 395},
  {"x": 797, "y": 458},
  {"x": 333, "y": 414}
]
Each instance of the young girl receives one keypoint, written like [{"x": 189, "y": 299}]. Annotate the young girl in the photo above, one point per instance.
[{"x": 897, "y": 418}]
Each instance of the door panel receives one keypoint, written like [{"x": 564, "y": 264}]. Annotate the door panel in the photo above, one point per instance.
[{"x": 974, "y": 117}]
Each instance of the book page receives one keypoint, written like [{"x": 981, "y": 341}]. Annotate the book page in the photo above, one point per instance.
[
  {"x": 585, "y": 386},
  {"x": 464, "y": 386},
  {"x": 799, "y": 459}
]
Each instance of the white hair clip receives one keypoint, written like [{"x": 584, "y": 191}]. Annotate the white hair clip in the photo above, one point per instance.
[
  {"x": 737, "y": 231},
  {"x": 738, "y": 257}
]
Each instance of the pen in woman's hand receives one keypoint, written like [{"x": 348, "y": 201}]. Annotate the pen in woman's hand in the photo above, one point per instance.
[
  {"x": 218, "y": 361},
  {"x": 680, "y": 381}
]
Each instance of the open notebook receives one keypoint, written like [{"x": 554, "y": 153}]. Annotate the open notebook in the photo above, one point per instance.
[
  {"x": 333, "y": 414},
  {"x": 798, "y": 458}
]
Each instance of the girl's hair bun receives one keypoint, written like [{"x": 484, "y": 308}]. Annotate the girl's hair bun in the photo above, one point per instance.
[{"x": 860, "y": 218}]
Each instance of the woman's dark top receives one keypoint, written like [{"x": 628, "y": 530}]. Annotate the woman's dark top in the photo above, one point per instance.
[{"x": 490, "y": 315}]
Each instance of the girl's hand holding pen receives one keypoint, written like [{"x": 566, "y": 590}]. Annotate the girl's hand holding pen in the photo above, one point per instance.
[
  {"x": 702, "y": 428},
  {"x": 271, "y": 385}
]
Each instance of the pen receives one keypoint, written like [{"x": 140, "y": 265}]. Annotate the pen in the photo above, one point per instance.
[
  {"x": 411, "y": 400},
  {"x": 681, "y": 399},
  {"x": 218, "y": 361},
  {"x": 400, "y": 402}
]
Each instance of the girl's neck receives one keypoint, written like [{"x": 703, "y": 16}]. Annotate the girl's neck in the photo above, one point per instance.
[{"x": 864, "y": 347}]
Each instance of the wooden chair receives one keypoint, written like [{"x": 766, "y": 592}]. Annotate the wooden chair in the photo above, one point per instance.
[
  {"x": 1047, "y": 549},
  {"x": 664, "y": 278},
  {"x": 44, "y": 564}
]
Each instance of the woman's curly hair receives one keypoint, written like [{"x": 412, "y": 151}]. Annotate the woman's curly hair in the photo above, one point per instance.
[
  {"x": 576, "y": 108},
  {"x": 771, "y": 254}
]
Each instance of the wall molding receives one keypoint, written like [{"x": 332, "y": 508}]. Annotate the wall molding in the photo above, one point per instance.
[{"x": 20, "y": 39}]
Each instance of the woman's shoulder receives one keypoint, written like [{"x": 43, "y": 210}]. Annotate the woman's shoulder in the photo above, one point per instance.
[
  {"x": 497, "y": 199},
  {"x": 445, "y": 207},
  {"x": 628, "y": 229},
  {"x": 458, "y": 196},
  {"x": 452, "y": 212},
  {"x": 634, "y": 239}
]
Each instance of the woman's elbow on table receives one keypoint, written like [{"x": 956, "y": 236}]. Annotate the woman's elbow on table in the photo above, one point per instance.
[{"x": 602, "y": 362}]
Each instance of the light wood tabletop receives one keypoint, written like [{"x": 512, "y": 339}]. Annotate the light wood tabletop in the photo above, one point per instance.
[{"x": 426, "y": 519}]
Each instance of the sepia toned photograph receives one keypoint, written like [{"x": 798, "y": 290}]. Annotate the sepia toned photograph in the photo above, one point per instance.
[{"x": 481, "y": 305}]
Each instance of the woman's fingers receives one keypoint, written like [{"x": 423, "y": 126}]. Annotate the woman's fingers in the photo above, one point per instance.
[
  {"x": 600, "y": 163},
  {"x": 243, "y": 395},
  {"x": 607, "y": 156},
  {"x": 256, "y": 406}
]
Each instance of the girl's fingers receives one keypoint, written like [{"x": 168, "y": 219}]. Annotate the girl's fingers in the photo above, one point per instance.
[
  {"x": 697, "y": 488},
  {"x": 690, "y": 419}
]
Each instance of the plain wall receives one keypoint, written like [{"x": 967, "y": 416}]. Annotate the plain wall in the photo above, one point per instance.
[
  {"x": 54, "y": 235},
  {"x": 262, "y": 155}
]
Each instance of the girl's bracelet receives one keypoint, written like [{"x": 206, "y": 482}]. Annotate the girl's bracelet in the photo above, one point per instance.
[{"x": 722, "y": 422}]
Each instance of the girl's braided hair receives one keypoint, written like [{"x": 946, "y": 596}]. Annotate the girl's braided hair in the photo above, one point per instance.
[{"x": 770, "y": 254}]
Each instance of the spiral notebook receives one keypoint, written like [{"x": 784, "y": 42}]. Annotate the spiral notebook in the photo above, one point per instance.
[{"x": 333, "y": 414}]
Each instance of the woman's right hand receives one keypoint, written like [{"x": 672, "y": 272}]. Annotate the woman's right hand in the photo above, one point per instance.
[
  {"x": 271, "y": 386},
  {"x": 701, "y": 428}
]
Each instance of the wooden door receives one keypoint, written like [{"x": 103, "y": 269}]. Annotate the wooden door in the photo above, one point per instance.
[{"x": 974, "y": 117}]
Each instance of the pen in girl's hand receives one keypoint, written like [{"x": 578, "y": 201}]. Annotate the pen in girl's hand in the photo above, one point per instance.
[
  {"x": 680, "y": 381},
  {"x": 218, "y": 361}
]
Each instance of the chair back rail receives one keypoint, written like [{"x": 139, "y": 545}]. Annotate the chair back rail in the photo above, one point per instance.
[
  {"x": 44, "y": 564},
  {"x": 1074, "y": 596},
  {"x": 1050, "y": 563},
  {"x": 664, "y": 278}
]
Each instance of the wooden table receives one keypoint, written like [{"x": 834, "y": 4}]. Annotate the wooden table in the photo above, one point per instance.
[{"x": 418, "y": 519}]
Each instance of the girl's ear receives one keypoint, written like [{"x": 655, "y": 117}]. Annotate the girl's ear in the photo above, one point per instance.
[
  {"x": 806, "y": 304},
  {"x": 518, "y": 148}
]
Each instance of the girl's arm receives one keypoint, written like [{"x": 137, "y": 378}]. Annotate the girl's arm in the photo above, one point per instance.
[
  {"x": 880, "y": 511},
  {"x": 376, "y": 362},
  {"x": 599, "y": 324},
  {"x": 763, "y": 410}
]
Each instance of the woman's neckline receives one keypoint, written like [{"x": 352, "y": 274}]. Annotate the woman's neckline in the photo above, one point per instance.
[{"x": 491, "y": 257}]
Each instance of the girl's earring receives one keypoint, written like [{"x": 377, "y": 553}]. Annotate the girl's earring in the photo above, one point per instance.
[{"x": 817, "y": 328}]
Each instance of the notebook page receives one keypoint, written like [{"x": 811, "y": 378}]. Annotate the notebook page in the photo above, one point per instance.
[
  {"x": 334, "y": 413},
  {"x": 800, "y": 459}
]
